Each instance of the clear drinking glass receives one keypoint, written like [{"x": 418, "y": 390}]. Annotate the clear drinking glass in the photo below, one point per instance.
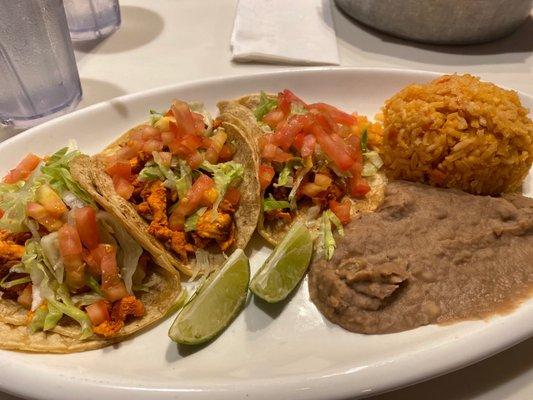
[
  {"x": 38, "y": 74},
  {"x": 92, "y": 19}
]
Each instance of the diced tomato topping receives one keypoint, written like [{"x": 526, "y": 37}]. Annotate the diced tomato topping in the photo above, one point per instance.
[
  {"x": 98, "y": 312},
  {"x": 287, "y": 130},
  {"x": 199, "y": 124},
  {"x": 123, "y": 187},
  {"x": 334, "y": 148},
  {"x": 266, "y": 173},
  {"x": 353, "y": 146},
  {"x": 195, "y": 160},
  {"x": 92, "y": 260},
  {"x": 71, "y": 250},
  {"x": 112, "y": 286},
  {"x": 192, "y": 142},
  {"x": 127, "y": 152},
  {"x": 152, "y": 145},
  {"x": 121, "y": 168},
  {"x": 269, "y": 151},
  {"x": 86, "y": 225},
  {"x": 216, "y": 143},
  {"x": 149, "y": 133},
  {"x": 191, "y": 202},
  {"x": 185, "y": 121},
  {"x": 340, "y": 117},
  {"x": 233, "y": 196},
  {"x": 325, "y": 121},
  {"x": 25, "y": 297},
  {"x": 23, "y": 170},
  {"x": 285, "y": 99},
  {"x": 179, "y": 149},
  {"x": 43, "y": 217},
  {"x": 273, "y": 118},
  {"x": 358, "y": 187},
  {"x": 308, "y": 146},
  {"x": 50, "y": 200},
  {"x": 69, "y": 241},
  {"x": 299, "y": 141},
  {"x": 341, "y": 210},
  {"x": 274, "y": 153},
  {"x": 226, "y": 153},
  {"x": 168, "y": 137}
]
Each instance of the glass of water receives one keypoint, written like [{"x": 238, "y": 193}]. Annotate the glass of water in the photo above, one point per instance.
[
  {"x": 38, "y": 74},
  {"x": 92, "y": 19}
]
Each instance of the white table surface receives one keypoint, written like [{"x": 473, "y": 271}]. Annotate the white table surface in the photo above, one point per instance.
[{"x": 171, "y": 41}]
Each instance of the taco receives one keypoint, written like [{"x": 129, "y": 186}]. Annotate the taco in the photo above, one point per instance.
[
  {"x": 185, "y": 187},
  {"x": 316, "y": 163},
  {"x": 71, "y": 277}
]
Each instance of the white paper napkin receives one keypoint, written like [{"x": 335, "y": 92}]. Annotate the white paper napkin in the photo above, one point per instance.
[{"x": 284, "y": 31}]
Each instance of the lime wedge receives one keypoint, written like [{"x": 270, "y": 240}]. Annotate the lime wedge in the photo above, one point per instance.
[
  {"x": 285, "y": 267},
  {"x": 215, "y": 305}
]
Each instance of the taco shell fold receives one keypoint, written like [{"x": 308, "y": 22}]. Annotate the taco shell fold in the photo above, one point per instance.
[
  {"x": 90, "y": 174},
  {"x": 64, "y": 338},
  {"x": 240, "y": 112}
]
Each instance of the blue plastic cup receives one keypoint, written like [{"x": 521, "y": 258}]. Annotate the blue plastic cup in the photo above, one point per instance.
[
  {"x": 92, "y": 19},
  {"x": 38, "y": 74}
]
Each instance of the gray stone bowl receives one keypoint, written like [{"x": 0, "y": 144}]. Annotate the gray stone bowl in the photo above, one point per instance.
[{"x": 441, "y": 21}]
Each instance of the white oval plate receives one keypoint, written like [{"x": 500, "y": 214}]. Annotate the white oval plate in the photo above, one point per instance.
[{"x": 275, "y": 352}]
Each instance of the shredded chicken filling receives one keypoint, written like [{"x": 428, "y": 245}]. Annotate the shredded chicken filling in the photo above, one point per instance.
[{"x": 210, "y": 229}]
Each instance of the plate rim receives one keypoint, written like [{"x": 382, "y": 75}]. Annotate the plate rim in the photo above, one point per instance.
[{"x": 336, "y": 386}]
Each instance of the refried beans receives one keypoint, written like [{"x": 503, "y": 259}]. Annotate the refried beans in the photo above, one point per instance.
[{"x": 427, "y": 256}]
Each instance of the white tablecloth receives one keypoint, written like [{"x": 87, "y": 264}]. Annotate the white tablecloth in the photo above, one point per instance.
[{"x": 170, "y": 41}]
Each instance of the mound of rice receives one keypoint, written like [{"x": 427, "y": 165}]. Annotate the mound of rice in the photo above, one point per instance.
[{"x": 458, "y": 132}]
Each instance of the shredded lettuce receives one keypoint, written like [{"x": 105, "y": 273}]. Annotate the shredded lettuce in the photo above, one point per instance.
[
  {"x": 5, "y": 284},
  {"x": 71, "y": 200},
  {"x": 224, "y": 174},
  {"x": 13, "y": 201},
  {"x": 155, "y": 116},
  {"x": 201, "y": 264},
  {"x": 67, "y": 307},
  {"x": 156, "y": 170},
  {"x": 364, "y": 140},
  {"x": 300, "y": 174},
  {"x": 184, "y": 183},
  {"x": 94, "y": 286},
  {"x": 57, "y": 172},
  {"x": 266, "y": 104},
  {"x": 285, "y": 176},
  {"x": 151, "y": 172},
  {"x": 46, "y": 289},
  {"x": 128, "y": 251},
  {"x": 34, "y": 265},
  {"x": 76, "y": 314},
  {"x": 37, "y": 322},
  {"x": 328, "y": 240},
  {"x": 298, "y": 109},
  {"x": 9, "y": 188},
  {"x": 271, "y": 203},
  {"x": 199, "y": 108},
  {"x": 85, "y": 299},
  {"x": 52, "y": 318},
  {"x": 190, "y": 222},
  {"x": 372, "y": 163},
  {"x": 52, "y": 258}
]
